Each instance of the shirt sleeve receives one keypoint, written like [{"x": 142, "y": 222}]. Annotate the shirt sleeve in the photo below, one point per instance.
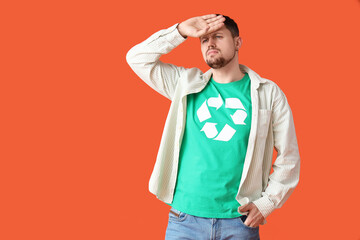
[
  {"x": 285, "y": 176},
  {"x": 144, "y": 61}
]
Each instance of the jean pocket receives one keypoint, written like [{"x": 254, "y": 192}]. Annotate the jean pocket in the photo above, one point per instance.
[
  {"x": 176, "y": 215},
  {"x": 242, "y": 221}
]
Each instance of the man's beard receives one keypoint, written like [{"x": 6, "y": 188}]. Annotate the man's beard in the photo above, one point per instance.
[{"x": 219, "y": 62}]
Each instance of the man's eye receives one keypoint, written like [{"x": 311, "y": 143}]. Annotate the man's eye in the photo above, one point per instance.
[
  {"x": 219, "y": 36},
  {"x": 204, "y": 40}
]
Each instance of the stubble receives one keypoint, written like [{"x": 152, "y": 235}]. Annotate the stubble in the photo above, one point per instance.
[{"x": 219, "y": 62}]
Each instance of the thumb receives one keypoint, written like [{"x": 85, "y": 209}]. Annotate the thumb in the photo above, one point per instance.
[{"x": 244, "y": 208}]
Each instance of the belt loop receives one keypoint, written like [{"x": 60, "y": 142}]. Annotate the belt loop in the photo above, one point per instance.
[{"x": 176, "y": 214}]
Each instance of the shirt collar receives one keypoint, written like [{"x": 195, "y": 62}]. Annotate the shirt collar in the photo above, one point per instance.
[{"x": 254, "y": 77}]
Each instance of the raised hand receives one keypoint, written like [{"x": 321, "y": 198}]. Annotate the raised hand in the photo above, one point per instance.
[{"x": 199, "y": 26}]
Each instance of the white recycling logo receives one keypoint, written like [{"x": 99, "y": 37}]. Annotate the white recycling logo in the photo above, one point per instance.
[{"x": 227, "y": 132}]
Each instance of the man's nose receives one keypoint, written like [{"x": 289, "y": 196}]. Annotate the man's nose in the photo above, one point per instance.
[{"x": 211, "y": 42}]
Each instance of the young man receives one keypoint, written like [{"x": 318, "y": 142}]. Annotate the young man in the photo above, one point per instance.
[{"x": 215, "y": 156}]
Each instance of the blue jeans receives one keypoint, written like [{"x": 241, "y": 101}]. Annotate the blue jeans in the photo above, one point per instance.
[{"x": 184, "y": 226}]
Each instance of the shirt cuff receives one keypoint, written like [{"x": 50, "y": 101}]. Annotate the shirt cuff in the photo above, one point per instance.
[
  {"x": 264, "y": 205},
  {"x": 174, "y": 37}
]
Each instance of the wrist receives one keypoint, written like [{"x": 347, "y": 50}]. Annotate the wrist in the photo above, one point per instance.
[{"x": 181, "y": 31}]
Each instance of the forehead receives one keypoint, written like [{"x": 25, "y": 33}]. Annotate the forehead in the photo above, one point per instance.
[{"x": 222, "y": 30}]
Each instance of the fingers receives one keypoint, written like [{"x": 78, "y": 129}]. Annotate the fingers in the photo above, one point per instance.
[
  {"x": 209, "y": 16},
  {"x": 219, "y": 18},
  {"x": 247, "y": 221},
  {"x": 199, "y": 26},
  {"x": 250, "y": 221},
  {"x": 245, "y": 208},
  {"x": 254, "y": 217},
  {"x": 214, "y": 27},
  {"x": 213, "y": 19},
  {"x": 214, "y": 23}
]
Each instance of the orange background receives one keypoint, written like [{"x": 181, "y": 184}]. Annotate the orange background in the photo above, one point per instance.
[{"x": 80, "y": 131}]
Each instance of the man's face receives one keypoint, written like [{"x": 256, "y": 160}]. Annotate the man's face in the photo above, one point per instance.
[{"x": 219, "y": 48}]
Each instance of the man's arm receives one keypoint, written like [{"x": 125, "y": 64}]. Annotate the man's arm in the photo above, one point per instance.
[
  {"x": 144, "y": 57},
  {"x": 286, "y": 167}
]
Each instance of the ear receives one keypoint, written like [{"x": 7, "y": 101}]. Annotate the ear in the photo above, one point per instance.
[{"x": 238, "y": 42}]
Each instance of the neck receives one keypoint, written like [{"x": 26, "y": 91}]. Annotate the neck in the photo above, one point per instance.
[{"x": 229, "y": 73}]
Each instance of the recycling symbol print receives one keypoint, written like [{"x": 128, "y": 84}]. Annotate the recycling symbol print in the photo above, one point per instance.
[{"x": 209, "y": 128}]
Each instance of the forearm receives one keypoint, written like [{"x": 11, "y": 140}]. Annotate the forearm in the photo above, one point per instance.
[
  {"x": 150, "y": 50},
  {"x": 144, "y": 60}
]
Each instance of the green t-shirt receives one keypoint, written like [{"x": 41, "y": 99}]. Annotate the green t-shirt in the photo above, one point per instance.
[{"x": 213, "y": 150}]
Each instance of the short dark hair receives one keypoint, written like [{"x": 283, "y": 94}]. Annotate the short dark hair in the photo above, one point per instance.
[{"x": 231, "y": 25}]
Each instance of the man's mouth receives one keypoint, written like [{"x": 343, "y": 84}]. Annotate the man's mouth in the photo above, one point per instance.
[{"x": 212, "y": 51}]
